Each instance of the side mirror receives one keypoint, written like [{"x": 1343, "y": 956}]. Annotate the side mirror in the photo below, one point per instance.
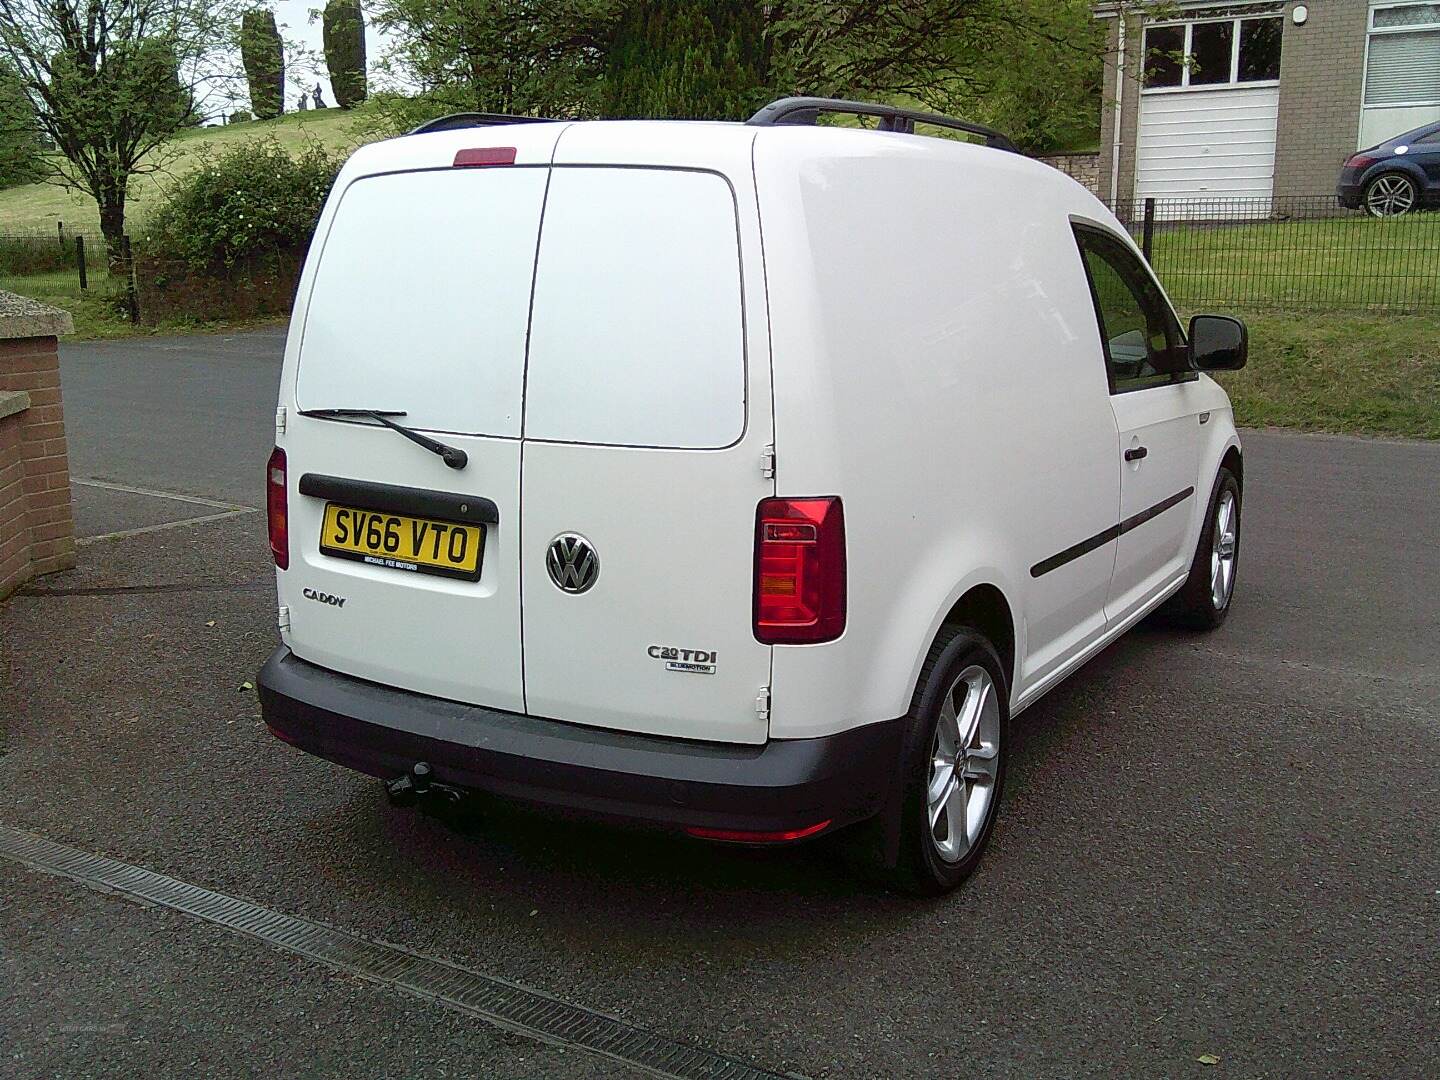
[{"x": 1218, "y": 343}]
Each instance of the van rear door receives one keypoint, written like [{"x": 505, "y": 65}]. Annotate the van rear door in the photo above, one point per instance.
[
  {"x": 403, "y": 570},
  {"x": 647, "y": 420}
]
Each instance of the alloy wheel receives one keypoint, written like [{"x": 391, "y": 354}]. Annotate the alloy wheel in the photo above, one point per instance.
[
  {"x": 1389, "y": 196},
  {"x": 964, "y": 763},
  {"x": 1223, "y": 549}
]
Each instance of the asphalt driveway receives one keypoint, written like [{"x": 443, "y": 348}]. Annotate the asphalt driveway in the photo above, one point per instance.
[
  {"x": 1212, "y": 846},
  {"x": 190, "y": 415}
]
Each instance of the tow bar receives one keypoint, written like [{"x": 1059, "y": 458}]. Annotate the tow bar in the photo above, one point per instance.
[{"x": 419, "y": 786}]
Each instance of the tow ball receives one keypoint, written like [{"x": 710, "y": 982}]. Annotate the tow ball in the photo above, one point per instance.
[{"x": 419, "y": 787}]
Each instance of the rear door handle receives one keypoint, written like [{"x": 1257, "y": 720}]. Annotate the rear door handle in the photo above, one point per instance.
[{"x": 1135, "y": 453}]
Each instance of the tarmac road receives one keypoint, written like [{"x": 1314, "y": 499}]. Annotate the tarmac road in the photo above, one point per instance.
[
  {"x": 191, "y": 415},
  {"x": 1210, "y": 845}
]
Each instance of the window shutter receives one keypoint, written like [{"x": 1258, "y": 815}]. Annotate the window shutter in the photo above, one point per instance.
[{"x": 1403, "y": 68}]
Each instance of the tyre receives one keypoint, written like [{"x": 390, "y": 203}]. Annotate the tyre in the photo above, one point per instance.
[
  {"x": 952, "y": 765},
  {"x": 1390, "y": 195},
  {"x": 1203, "y": 601}
]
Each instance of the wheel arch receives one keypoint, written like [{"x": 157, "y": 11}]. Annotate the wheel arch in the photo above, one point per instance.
[
  {"x": 1235, "y": 462},
  {"x": 984, "y": 607},
  {"x": 1399, "y": 165}
]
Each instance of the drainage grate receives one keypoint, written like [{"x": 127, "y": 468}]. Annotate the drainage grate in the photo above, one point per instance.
[{"x": 505, "y": 1004}]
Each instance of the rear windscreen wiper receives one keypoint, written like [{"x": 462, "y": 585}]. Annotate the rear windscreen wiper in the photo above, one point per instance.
[{"x": 453, "y": 455}]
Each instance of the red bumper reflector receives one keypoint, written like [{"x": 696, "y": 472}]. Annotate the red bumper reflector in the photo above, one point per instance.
[
  {"x": 486, "y": 155},
  {"x": 280, "y": 735},
  {"x": 742, "y": 836}
]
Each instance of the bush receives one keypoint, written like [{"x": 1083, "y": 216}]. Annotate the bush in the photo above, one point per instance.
[
  {"x": 240, "y": 116},
  {"x": 250, "y": 202}
]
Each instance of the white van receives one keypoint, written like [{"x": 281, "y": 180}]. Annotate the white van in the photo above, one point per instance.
[{"x": 737, "y": 479}]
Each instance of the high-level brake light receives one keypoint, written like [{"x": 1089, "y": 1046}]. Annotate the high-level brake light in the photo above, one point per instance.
[{"x": 485, "y": 155}]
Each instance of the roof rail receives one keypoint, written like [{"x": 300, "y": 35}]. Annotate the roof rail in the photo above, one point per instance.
[
  {"x": 475, "y": 119},
  {"x": 807, "y": 110}
]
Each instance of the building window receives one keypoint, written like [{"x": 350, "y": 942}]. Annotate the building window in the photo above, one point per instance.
[
  {"x": 1259, "y": 50},
  {"x": 1403, "y": 65},
  {"x": 1213, "y": 52}
]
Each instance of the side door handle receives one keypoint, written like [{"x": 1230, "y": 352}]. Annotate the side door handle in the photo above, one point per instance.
[{"x": 1135, "y": 453}]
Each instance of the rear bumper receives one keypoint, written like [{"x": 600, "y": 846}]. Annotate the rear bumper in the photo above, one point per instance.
[
  {"x": 783, "y": 785},
  {"x": 1350, "y": 195}
]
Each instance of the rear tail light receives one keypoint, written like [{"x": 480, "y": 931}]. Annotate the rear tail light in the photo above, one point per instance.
[
  {"x": 277, "y": 508},
  {"x": 799, "y": 571},
  {"x": 1360, "y": 161}
]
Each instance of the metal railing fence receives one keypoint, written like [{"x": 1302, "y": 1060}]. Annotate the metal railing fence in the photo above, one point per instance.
[{"x": 1288, "y": 253}]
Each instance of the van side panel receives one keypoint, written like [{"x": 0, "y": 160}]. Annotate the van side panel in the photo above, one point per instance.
[{"x": 933, "y": 340}]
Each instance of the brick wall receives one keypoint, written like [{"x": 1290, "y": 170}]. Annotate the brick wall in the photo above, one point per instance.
[
  {"x": 14, "y": 534},
  {"x": 1322, "y": 66},
  {"x": 37, "y": 530}
]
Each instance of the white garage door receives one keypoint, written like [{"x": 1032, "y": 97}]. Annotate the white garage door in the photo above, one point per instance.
[{"x": 1207, "y": 144}]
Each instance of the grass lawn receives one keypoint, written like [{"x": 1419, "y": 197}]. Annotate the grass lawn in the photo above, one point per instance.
[
  {"x": 94, "y": 312},
  {"x": 1351, "y": 262},
  {"x": 35, "y": 208},
  {"x": 1361, "y": 374},
  {"x": 97, "y": 311}
]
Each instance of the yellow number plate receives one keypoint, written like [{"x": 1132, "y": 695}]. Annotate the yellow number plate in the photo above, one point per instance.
[{"x": 401, "y": 542}]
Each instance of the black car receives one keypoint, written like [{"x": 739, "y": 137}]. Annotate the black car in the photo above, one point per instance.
[{"x": 1399, "y": 175}]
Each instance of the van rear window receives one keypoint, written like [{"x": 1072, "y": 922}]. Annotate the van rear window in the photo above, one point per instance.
[
  {"x": 637, "y": 333},
  {"x": 420, "y": 299}
]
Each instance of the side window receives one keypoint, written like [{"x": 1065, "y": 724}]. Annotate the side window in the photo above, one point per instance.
[{"x": 1143, "y": 343}]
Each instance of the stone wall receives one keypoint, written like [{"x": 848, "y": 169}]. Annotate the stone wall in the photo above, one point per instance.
[
  {"x": 37, "y": 529},
  {"x": 1084, "y": 168}
]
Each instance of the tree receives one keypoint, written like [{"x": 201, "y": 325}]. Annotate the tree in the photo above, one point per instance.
[
  {"x": 531, "y": 57},
  {"x": 105, "y": 78},
  {"x": 720, "y": 58},
  {"x": 263, "y": 54},
  {"x": 687, "y": 58},
  {"x": 1059, "y": 111},
  {"x": 20, "y": 150},
  {"x": 344, "y": 32},
  {"x": 1030, "y": 67}
]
